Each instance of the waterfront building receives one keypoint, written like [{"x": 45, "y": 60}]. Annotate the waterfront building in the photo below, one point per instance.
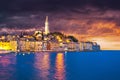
[
  {"x": 95, "y": 46},
  {"x": 54, "y": 46},
  {"x": 41, "y": 41},
  {"x": 13, "y": 45},
  {"x": 8, "y": 45},
  {"x": 71, "y": 46},
  {"x": 88, "y": 46},
  {"x": 81, "y": 46},
  {"x": 33, "y": 45},
  {"x": 38, "y": 46},
  {"x": 30, "y": 45}
]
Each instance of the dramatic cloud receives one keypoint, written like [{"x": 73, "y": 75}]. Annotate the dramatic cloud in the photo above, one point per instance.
[
  {"x": 88, "y": 20},
  {"x": 54, "y": 5}
]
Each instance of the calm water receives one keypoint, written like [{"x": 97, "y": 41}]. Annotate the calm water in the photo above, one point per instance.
[{"x": 103, "y": 65}]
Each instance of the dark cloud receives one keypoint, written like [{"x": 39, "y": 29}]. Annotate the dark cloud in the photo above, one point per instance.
[
  {"x": 76, "y": 16},
  {"x": 97, "y": 20},
  {"x": 85, "y": 19},
  {"x": 55, "y": 5}
]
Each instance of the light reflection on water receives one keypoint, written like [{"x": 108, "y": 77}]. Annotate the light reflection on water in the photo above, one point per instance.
[
  {"x": 7, "y": 67},
  {"x": 42, "y": 63},
  {"x": 60, "y": 67},
  {"x": 32, "y": 66},
  {"x": 104, "y": 65},
  {"x": 48, "y": 68}
]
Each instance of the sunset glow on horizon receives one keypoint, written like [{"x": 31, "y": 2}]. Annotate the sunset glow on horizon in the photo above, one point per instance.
[
  {"x": 86, "y": 20},
  {"x": 106, "y": 34}
]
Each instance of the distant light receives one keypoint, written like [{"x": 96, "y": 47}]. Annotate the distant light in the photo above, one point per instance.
[
  {"x": 65, "y": 51},
  {"x": 28, "y": 52},
  {"x": 27, "y": 40}
]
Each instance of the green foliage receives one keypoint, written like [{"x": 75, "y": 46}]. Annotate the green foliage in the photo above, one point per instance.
[
  {"x": 73, "y": 38},
  {"x": 63, "y": 37},
  {"x": 56, "y": 34}
]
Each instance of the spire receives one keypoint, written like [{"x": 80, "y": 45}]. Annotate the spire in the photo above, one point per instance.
[
  {"x": 46, "y": 25},
  {"x": 46, "y": 19}
]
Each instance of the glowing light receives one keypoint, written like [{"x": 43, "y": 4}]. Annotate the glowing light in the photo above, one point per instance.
[
  {"x": 43, "y": 64},
  {"x": 5, "y": 48},
  {"x": 60, "y": 67},
  {"x": 106, "y": 43},
  {"x": 67, "y": 40},
  {"x": 59, "y": 39}
]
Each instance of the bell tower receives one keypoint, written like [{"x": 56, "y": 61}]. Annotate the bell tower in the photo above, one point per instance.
[{"x": 47, "y": 26}]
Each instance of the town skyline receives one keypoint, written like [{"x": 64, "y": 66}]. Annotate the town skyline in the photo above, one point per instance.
[{"x": 90, "y": 20}]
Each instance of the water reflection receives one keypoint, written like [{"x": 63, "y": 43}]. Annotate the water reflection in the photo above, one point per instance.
[
  {"x": 43, "y": 65},
  {"x": 25, "y": 66},
  {"x": 7, "y": 68},
  {"x": 50, "y": 66},
  {"x": 60, "y": 67},
  {"x": 32, "y": 66}
]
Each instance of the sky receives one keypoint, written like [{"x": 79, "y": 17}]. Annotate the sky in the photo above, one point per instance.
[{"x": 87, "y": 20}]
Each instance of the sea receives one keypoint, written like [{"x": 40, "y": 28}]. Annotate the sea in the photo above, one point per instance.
[{"x": 99, "y": 65}]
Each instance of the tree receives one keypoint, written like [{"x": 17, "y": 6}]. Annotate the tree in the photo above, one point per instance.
[
  {"x": 62, "y": 36},
  {"x": 73, "y": 38}
]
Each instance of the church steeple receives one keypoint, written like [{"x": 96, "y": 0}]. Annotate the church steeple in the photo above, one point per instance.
[{"x": 46, "y": 26}]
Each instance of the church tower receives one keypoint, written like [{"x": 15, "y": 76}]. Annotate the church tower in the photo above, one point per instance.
[{"x": 46, "y": 26}]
